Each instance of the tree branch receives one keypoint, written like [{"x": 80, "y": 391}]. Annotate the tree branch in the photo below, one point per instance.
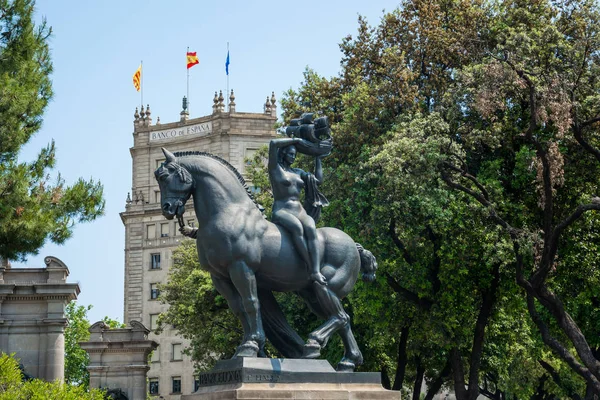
[
  {"x": 483, "y": 201},
  {"x": 434, "y": 269},
  {"x": 539, "y": 276},
  {"x": 551, "y": 302},
  {"x": 392, "y": 231},
  {"x": 424, "y": 303},
  {"x": 578, "y": 133},
  {"x": 558, "y": 348},
  {"x": 480, "y": 198},
  {"x": 470, "y": 177},
  {"x": 590, "y": 122},
  {"x": 556, "y": 378}
]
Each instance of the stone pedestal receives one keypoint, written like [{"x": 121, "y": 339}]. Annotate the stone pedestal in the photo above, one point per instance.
[
  {"x": 267, "y": 378},
  {"x": 32, "y": 316},
  {"x": 119, "y": 358}
]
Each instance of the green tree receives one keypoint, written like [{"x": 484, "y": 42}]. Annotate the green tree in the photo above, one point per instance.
[
  {"x": 13, "y": 387},
  {"x": 33, "y": 207},
  {"x": 430, "y": 112},
  {"x": 76, "y": 359},
  {"x": 259, "y": 176}
]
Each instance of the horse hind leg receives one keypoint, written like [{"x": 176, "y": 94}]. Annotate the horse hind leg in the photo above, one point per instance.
[
  {"x": 328, "y": 304},
  {"x": 352, "y": 355}
]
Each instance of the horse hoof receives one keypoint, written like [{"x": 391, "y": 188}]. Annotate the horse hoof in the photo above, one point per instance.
[
  {"x": 345, "y": 366},
  {"x": 247, "y": 349},
  {"x": 312, "y": 349}
]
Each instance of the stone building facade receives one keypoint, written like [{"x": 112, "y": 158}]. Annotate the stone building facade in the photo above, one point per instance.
[
  {"x": 32, "y": 316},
  {"x": 150, "y": 238}
]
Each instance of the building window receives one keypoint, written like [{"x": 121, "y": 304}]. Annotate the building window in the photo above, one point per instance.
[
  {"x": 159, "y": 163},
  {"x": 196, "y": 383},
  {"x": 155, "y": 261},
  {"x": 155, "y": 355},
  {"x": 164, "y": 229},
  {"x": 151, "y": 231},
  {"x": 192, "y": 223},
  {"x": 157, "y": 196},
  {"x": 153, "y": 385},
  {"x": 177, "y": 356},
  {"x": 176, "y": 384},
  {"x": 154, "y": 321},
  {"x": 154, "y": 291}
]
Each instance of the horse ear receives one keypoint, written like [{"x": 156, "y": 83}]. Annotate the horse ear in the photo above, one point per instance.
[{"x": 170, "y": 157}]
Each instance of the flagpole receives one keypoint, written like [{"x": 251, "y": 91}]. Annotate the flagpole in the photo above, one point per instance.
[
  {"x": 227, "y": 93},
  {"x": 188, "y": 82},
  {"x": 142, "y": 84}
]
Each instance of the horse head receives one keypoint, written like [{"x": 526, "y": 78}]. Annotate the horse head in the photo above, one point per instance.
[{"x": 176, "y": 185}]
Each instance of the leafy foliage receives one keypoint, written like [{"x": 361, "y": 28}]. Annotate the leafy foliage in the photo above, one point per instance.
[
  {"x": 33, "y": 207},
  {"x": 12, "y": 386},
  {"x": 76, "y": 359}
]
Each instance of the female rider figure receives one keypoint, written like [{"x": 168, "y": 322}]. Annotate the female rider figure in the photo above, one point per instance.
[{"x": 287, "y": 184}]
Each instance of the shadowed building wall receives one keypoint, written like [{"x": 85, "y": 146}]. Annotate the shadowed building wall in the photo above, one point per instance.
[{"x": 32, "y": 316}]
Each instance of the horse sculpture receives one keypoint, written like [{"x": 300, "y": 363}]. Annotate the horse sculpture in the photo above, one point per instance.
[{"x": 249, "y": 257}]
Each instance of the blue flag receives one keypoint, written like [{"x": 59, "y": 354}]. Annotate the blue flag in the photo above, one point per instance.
[{"x": 227, "y": 63}]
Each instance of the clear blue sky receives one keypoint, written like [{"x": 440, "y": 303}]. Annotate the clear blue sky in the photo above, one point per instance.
[{"x": 96, "y": 48}]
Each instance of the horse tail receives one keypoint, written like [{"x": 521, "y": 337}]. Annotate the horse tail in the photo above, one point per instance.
[
  {"x": 278, "y": 331},
  {"x": 368, "y": 263}
]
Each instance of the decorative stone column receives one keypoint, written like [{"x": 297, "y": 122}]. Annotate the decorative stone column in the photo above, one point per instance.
[
  {"x": 32, "y": 316},
  {"x": 119, "y": 358}
]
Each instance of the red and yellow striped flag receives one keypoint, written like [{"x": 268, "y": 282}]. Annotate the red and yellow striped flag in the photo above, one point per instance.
[
  {"x": 137, "y": 77},
  {"x": 192, "y": 59}
]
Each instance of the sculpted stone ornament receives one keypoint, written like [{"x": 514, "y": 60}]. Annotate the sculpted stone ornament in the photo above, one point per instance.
[{"x": 249, "y": 257}]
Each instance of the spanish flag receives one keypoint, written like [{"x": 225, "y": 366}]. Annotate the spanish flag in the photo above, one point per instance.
[
  {"x": 192, "y": 59},
  {"x": 137, "y": 78}
]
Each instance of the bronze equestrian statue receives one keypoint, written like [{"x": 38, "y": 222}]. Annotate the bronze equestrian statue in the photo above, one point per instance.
[{"x": 249, "y": 257}]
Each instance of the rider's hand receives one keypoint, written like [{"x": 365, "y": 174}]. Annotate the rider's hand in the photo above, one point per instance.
[{"x": 186, "y": 230}]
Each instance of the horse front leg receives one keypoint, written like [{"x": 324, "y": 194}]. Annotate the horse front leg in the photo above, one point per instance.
[
  {"x": 244, "y": 280},
  {"x": 226, "y": 289}
]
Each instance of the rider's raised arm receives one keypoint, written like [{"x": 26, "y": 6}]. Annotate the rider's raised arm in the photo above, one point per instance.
[
  {"x": 275, "y": 145},
  {"x": 318, "y": 170}
]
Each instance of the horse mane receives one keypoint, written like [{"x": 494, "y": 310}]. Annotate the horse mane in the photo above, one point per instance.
[{"x": 226, "y": 164}]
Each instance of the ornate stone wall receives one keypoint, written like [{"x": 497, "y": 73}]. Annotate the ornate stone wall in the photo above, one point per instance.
[
  {"x": 119, "y": 358},
  {"x": 32, "y": 316}
]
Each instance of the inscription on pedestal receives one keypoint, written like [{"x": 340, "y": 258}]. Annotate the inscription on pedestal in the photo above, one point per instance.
[
  {"x": 262, "y": 378},
  {"x": 220, "y": 377}
]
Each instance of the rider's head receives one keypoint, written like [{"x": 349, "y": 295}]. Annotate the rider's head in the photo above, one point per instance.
[{"x": 287, "y": 154}]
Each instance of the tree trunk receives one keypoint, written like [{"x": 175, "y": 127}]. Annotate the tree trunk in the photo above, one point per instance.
[
  {"x": 487, "y": 304},
  {"x": 385, "y": 378},
  {"x": 436, "y": 385},
  {"x": 402, "y": 359},
  {"x": 418, "y": 380},
  {"x": 458, "y": 375}
]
